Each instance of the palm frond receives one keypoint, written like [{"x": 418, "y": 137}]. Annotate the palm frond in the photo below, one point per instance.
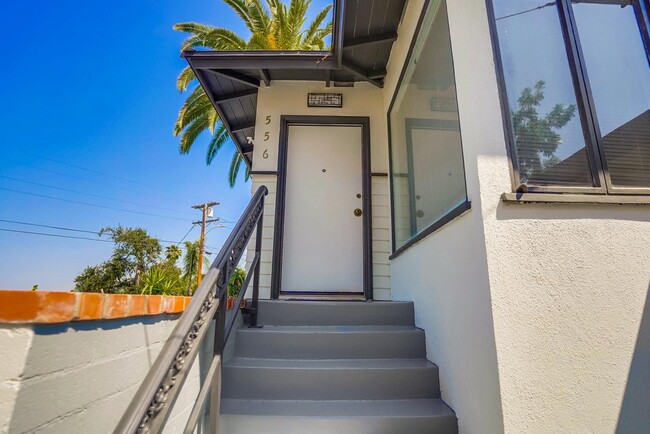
[
  {"x": 217, "y": 39},
  {"x": 260, "y": 17},
  {"x": 185, "y": 78},
  {"x": 310, "y": 33},
  {"x": 195, "y": 105},
  {"x": 235, "y": 164},
  {"x": 191, "y": 27},
  {"x": 193, "y": 130},
  {"x": 241, "y": 9},
  {"x": 218, "y": 139},
  {"x": 296, "y": 18},
  {"x": 260, "y": 42},
  {"x": 213, "y": 119}
]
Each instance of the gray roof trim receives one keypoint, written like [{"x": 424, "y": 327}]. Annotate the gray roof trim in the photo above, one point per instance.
[
  {"x": 245, "y": 152},
  {"x": 362, "y": 38},
  {"x": 260, "y": 59}
]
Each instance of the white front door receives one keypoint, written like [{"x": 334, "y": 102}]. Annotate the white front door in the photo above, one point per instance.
[{"x": 323, "y": 238}]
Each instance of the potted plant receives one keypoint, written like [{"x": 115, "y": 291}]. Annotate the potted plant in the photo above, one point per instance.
[{"x": 234, "y": 286}]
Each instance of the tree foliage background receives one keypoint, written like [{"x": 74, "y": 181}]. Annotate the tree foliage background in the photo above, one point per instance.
[
  {"x": 536, "y": 135},
  {"x": 138, "y": 265}
]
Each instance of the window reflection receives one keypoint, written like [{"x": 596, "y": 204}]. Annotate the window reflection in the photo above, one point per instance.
[
  {"x": 619, "y": 78},
  {"x": 550, "y": 143},
  {"x": 428, "y": 178}
]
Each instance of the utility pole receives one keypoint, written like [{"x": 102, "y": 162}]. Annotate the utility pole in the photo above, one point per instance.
[{"x": 204, "y": 207}]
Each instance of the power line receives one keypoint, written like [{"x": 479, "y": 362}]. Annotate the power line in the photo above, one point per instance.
[
  {"x": 92, "y": 194},
  {"x": 61, "y": 228},
  {"x": 103, "y": 240},
  {"x": 185, "y": 236},
  {"x": 55, "y": 235},
  {"x": 90, "y": 204},
  {"x": 526, "y": 11},
  {"x": 93, "y": 181},
  {"x": 119, "y": 178}
]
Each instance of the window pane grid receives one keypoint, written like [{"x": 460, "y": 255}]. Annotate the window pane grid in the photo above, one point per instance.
[{"x": 570, "y": 134}]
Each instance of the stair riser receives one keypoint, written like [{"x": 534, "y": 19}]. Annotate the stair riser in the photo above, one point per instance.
[
  {"x": 324, "y": 345},
  {"x": 335, "y": 313},
  {"x": 296, "y": 425},
  {"x": 329, "y": 384}
]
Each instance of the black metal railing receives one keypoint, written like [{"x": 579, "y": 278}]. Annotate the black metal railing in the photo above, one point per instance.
[{"x": 153, "y": 402}]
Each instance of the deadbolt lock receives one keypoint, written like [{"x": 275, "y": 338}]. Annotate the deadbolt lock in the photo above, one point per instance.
[{"x": 358, "y": 212}]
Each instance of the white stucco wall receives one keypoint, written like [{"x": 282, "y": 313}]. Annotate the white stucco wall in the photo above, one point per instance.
[
  {"x": 80, "y": 377},
  {"x": 446, "y": 276},
  {"x": 538, "y": 315},
  {"x": 290, "y": 98}
]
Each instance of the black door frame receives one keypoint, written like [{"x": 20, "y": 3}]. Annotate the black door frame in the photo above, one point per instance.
[{"x": 278, "y": 232}]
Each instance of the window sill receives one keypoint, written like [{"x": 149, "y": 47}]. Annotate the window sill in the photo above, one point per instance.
[
  {"x": 453, "y": 214},
  {"x": 574, "y": 198}
]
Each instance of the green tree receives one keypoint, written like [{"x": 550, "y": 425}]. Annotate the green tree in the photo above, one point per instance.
[
  {"x": 273, "y": 26},
  {"x": 135, "y": 251},
  {"x": 163, "y": 279},
  {"x": 191, "y": 264},
  {"x": 173, "y": 253},
  {"x": 236, "y": 282},
  {"x": 536, "y": 136}
]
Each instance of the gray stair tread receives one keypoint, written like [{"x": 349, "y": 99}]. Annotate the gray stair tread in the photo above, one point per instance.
[
  {"x": 331, "y": 329},
  {"x": 343, "y": 408},
  {"x": 245, "y": 362},
  {"x": 294, "y": 312}
]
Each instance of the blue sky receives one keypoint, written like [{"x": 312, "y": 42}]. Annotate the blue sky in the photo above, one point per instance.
[{"x": 86, "y": 114}]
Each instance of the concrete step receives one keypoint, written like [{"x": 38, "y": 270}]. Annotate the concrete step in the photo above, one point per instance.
[
  {"x": 416, "y": 416},
  {"x": 352, "y": 379},
  {"x": 331, "y": 313},
  {"x": 330, "y": 342}
]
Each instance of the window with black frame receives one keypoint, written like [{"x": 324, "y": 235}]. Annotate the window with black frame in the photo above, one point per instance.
[
  {"x": 576, "y": 78},
  {"x": 427, "y": 173}
]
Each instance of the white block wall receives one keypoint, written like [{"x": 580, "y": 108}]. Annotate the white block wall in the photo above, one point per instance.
[{"x": 79, "y": 378}]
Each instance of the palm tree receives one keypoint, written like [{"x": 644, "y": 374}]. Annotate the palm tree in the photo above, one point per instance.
[
  {"x": 191, "y": 264},
  {"x": 273, "y": 26}
]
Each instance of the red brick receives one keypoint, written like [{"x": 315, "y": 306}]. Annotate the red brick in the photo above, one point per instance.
[
  {"x": 138, "y": 304},
  {"x": 55, "y": 307},
  {"x": 154, "y": 304},
  {"x": 179, "y": 304},
  {"x": 92, "y": 306},
  {"x": 18, "y": 306},
  {"x": 117, "y": 306}
]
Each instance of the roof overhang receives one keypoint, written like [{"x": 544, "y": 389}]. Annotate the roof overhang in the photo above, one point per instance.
[{"x": 362, "y": 38}]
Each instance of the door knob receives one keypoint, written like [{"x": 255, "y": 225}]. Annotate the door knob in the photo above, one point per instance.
[{"x": 358, "y": 212}]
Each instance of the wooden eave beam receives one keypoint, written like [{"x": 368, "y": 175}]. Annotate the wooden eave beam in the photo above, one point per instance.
[
  {"x": 328, "y": 78},
  {"x": 357, "y": 70},
  {"x": 202, "y": 80},
  {"x": 370, "y": 40},
  {"x": 234, "y": 95},
  {"x": 264, "y": 75},
  {"x": 235, "y": 76},
  {"x": 237, "y": 128}
]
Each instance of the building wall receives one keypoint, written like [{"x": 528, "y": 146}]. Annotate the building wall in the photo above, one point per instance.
[
  {"x": 79, "y": 377},
  {"x": 538, "y": 315},
  {"x": 290, "y": 98},
  {"x": 446, "y": 274}
]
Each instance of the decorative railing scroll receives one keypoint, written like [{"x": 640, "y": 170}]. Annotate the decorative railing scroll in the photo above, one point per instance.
[{"x": 154, "y": 400}]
